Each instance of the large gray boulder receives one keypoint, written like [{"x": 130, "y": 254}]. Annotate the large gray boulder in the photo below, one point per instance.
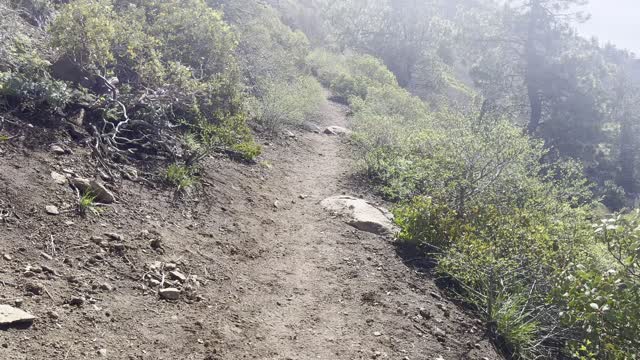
[{"x": 361, "y": 214}]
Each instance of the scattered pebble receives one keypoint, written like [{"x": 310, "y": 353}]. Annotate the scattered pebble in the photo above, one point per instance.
[
  {"x": 169, "y": 294},
  {"x": 52, "y": 210},
  {"x": 53, "y": 315},
  {"x": 177, "y": 275},
  {"x": 58, "y": 150},
  {"x": 58, "y": 178},
  {"x": 115, "y": 236}
]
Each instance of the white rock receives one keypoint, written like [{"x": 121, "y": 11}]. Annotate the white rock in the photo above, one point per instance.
[
  {"x": 169, "y": 293},
  {"x": 361, "y": 215},
  {"x": 58, "y": 178},
  {"x": 52, "y": 210},
  {"x": 58, "y": 150},
  {"x": 337, "y": 130},
  {"x": 177, "y": 275},
  {"x": 102, "y": 194},
  {"x": 13, "y": 316}
]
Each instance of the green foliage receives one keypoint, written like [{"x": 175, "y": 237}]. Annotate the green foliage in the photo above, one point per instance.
[
  {"x": 87, "y": 31},
  {"x": 614, "y": 196},
  {"x": 349, "y": 77},
  {"x": 87, "y": 203},
  {"x": 33, "y": 93},
  {"x": 183, "y": 51},
  {"x": 287, "y": 103},
  {"x": 181, "y": 176},
  {"x": 600, "y": 304},
  {"x": 505, "y": 223}
]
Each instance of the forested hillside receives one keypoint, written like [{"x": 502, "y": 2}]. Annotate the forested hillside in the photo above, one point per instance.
[{"x": 508, "y": 143}]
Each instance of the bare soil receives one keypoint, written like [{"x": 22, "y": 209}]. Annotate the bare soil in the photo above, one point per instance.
[{"x": 277, "y": 276}]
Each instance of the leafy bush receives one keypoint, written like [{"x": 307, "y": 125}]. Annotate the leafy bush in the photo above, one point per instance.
[
  {"x": 32, "y": 93},
  {"x": 287, "y": 103},
  {"x": 349, "y": 77},
  {"x": 614, "y": 196},
  {"x": 505, "y": 225},
  {"x": 177, "y": 55},
  {"x": 88, "y": 31}
]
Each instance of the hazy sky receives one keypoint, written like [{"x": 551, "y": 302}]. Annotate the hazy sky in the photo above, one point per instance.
[{"x": 616, "y": 21}]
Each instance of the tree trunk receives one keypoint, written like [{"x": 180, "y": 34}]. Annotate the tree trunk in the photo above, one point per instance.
[
  {"x": 627, "y": 157},
  {"x": 533, "y": 68}
]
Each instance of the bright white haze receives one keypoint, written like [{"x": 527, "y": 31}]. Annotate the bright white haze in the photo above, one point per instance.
[{"x": 615, "y": 21}]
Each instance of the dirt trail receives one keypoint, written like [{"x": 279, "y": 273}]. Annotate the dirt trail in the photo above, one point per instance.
[{"x": 280, "y": 277}]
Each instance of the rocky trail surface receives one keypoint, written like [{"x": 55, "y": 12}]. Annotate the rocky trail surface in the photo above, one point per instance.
[{"x": 250, "y": 266}]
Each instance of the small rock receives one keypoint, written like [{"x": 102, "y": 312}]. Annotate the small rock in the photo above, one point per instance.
[
  {"x": 377, "y": 333},
  {"x": 156, "y": 244},
  {"x": 7, "y": 257},
  {"x": 169, "y": 294},
  {"x": 76, "y": 301},
  {"x": 102, "y": 352},
  {"x": 170, "y": 266},
  {"x": 276, "y": 204},
  {"x": 49, "y": 270},
  {"x": 436, "y": 295},
  {"x": 425, "y": 313},
  {"x": 154, "y": 282},
  {"x": 58, "y": 178},
  {"x": 302, "y": 196},
  {"x": 18, "y": 302},
  {"x": 53, "y": 315},
  {"x": 106, "y": 287},
  {"x": 52, "y": 210},
  {"x": 115, "y": 236},
  {"x": 177, "y": 275},
  {"x": 439, "y": 332},
  {"x": 35, "y": 269},
  {"x": 46, "y": 256},
  {"x": 34, "y": 288},
  {"x": 119, "y": 247},
  {"x": 96, "y": 240},
  {"x": 57, "y": 149},
  {"x": 337, "y": 130}
]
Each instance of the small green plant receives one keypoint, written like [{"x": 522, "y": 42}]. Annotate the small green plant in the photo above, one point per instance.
[
  {"x": 87, "y": 203},
  {"x": 180, "y": 176}
]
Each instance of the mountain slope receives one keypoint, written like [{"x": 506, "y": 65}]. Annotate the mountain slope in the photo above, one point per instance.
[{"x": 277, "y": 277}]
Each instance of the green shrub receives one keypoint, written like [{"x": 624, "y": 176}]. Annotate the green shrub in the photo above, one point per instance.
[
  {"x": 505, "y": 226},
  {"x": 87, "y": 31},
  {"x": 614, "y": 196},
  {"x": 183, "y": 52},
  {"x": 180, "y": 176},
  {"x": 34, "y": 93},
  {"x": 287, "y": 103},
  {"x": 349, "y": 77}
]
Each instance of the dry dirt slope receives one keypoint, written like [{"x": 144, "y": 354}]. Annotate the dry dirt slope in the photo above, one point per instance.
[{"x": 270, "y": 274}]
